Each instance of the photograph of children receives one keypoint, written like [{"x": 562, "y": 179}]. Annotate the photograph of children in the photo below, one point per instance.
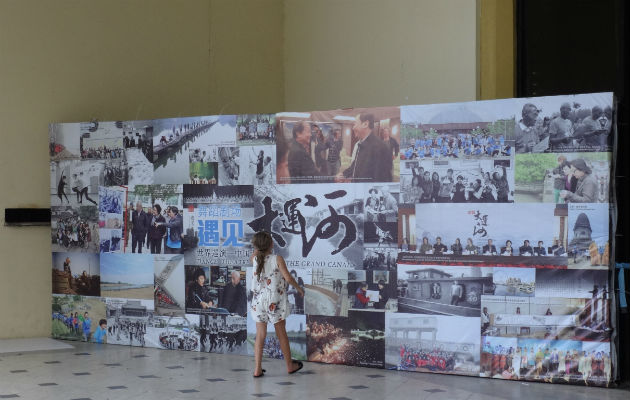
[
  {"x": 174, "y": 139},
  {"x": 127, "y": 276},
  {"x": 443, "y": 290},
  {"x": 563, "y": 124},
  {"x": 378, "y": 292},
  {"x": 315, "y": 147},
  {"x": 381, "y": 203},
  {"x": 255, "y": 129},
  {"x": 562, "y": 178},
  {"x": 481, "y": 129},
  {"x": 110, "y": 240},
  {"x": 482, "y": 235},
  {"x": 296, "y": 331},
  {"x": 328, "y": 292},
  {"x": 75, "y": 182},
  {"x": 424, "y": 343},
  {"x": 127, "y": 321},
  {"x": 550, "y": 318},
  {"x": 216, "y": 290},
  {"x": 76, "y": 273},
  {"x": 519, "y": 282},
  {"x": 381, "y": 234},
  {"x": 588, "y": 247},
  {"x": 357, "y": 340},
  {"x": 170, "y": 285},
  {"x": 312, "y": 225},
  {"x": 572, "y": 283},
  {"x": 458, "y": 181},
  {"x": 77, "y": 317},
  {"x": 380, "y": 258},
  {"x": 74, "y": 229},
  {"x": 64, "y": 141},
  {"x": 102, "y": 140},
  {"x": 204, "y": 173},
  {"x": 173, "y": 333},
  {"x": 154, "y": 215},
  {"x": 222, "y": 332}
]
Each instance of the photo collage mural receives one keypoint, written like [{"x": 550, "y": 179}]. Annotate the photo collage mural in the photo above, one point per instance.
[{"x": 467, "y": 238}]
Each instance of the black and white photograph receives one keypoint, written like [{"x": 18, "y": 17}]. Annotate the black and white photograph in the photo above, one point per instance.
[
  {"x": 342, "y": 146},
  {"x": 432, "y": 343},
  {"x": 255, "y": 129},
  {"x": 173, "y": 332},
  {"x": 175, "y": 138},
  {"x": 110, "y": 240},
  {"x": 380, "y": 258},
  {"x": 216, "y": 290},
  {"x": 76, "y": 273},
  {"x": 327, "y": 294},
  {"x": 296, "y": 331},
  {"x": 562, "y": 124},
  {"x": 196, "y": 195},
  {"x": 572, "y": 283},
  {"x": 549, "y": 318},
  {"x": 458, "y": 181},
  {"x": 589, "y": 246},
  {"x": 480, "y": 129},
  {"x": 258, "y": 165},
  {"x": 380, "y": 234},
  {"x": 138, "y": 144},
  {"x": 381, "y": 203},
  {"x": 562, "y": 178},
  {"x": 170, "y": 284},
  {"x": 377, "y": 292},
  {"x": 127, "y": 321},
  {"x": 74, "y": 229},
  {"x": 65, "y": 141},
  {"x": 222, "y": 332},
  {"x": 482, "y": 235},
  {"x": 102, "y": 140},
  {"x": 313, "y": 225},
  {"x": 75, "y": 182},
  {"x": 443, "y": 290}
]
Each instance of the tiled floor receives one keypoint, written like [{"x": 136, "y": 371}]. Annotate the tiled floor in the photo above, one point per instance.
[{"x": 91, "y": 371}]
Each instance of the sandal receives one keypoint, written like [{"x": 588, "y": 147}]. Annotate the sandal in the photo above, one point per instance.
[
  {"x": 261, "y": 374},
  {"x": 300, "y": 366}
]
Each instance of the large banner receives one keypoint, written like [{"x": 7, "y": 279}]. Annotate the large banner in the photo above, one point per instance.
[{"x": 469, "y": 238}]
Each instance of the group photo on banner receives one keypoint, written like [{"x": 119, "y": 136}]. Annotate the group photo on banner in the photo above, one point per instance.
[{"x": 466, "y": 238}]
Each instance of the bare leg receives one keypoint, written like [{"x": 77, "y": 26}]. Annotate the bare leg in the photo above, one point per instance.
[
  {"x": 261, "y": 334},
  {"x": 281, "y": 334}
]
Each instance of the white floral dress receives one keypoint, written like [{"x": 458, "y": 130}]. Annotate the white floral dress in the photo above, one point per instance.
[{"x": 270, "y": 302}]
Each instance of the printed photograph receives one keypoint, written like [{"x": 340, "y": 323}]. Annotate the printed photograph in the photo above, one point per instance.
[
  {"x": 296, "y": 331},
  {"x": 222, "y": 332},
  {"x": 74, "y": 229},
  {"x": 102, "y": 140},
  {"x": 138, "y": 145},
  {"x": 546, "y": 318},
  {"x": 81, "y": 318},
  {"x": 173, "y": 332},
  {"x": 378, "y": 292},
  {"x": 75, "y": 183},
  {"x": 204, "y": 173},
  {"x": 381, "y": 203},
  {"x": 111, "y": 240},
  {"x": 561, "y": 124},
  {"x": 459, "y": 181},
  {"x": 338, "y": 146},
  {"x": 519, "y": 282},
  {"x": 381, "y": 234},
  {"x": 312, "y": 225},
  {"x": 589, "y": 247},
  {"x": 65, "y": 141},
  {"x": 480, "y": 129},
  {"x": 255, "y": 129},
  {"x": 170, "y": 286},
  {"x": 572, "y": 284},
  {"x": 216, "y": 290},
  {"x": 127, "y": 321},
  {"x": 328, "y": 292},
  {"x": 357, "y": 340},
  {"x": 380, "y": 258},
  {"x": 175, "y": 138},
  {"x": 443, "y": 290},
  {"x": 127, "y": 276},
  {"x": 562, "y": 178},
  {"x": 432, "y": 343},
  {"x": 76, "y": 273}
]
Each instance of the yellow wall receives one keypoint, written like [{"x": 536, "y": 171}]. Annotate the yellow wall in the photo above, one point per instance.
[
  {"x": 74, "y": 60},
  {"x": 343, "y": 53}
]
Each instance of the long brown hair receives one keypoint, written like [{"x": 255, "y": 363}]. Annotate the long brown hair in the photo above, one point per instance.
[{"x": 262, "y": 242}]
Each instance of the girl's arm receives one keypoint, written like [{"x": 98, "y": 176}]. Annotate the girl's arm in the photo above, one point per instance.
[{"x": 287, "y": 276}]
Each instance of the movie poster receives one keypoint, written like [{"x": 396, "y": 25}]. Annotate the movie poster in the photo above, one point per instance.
[
  {"x": 480, "y": 234},
  {"x": 340, "y": 146}
]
